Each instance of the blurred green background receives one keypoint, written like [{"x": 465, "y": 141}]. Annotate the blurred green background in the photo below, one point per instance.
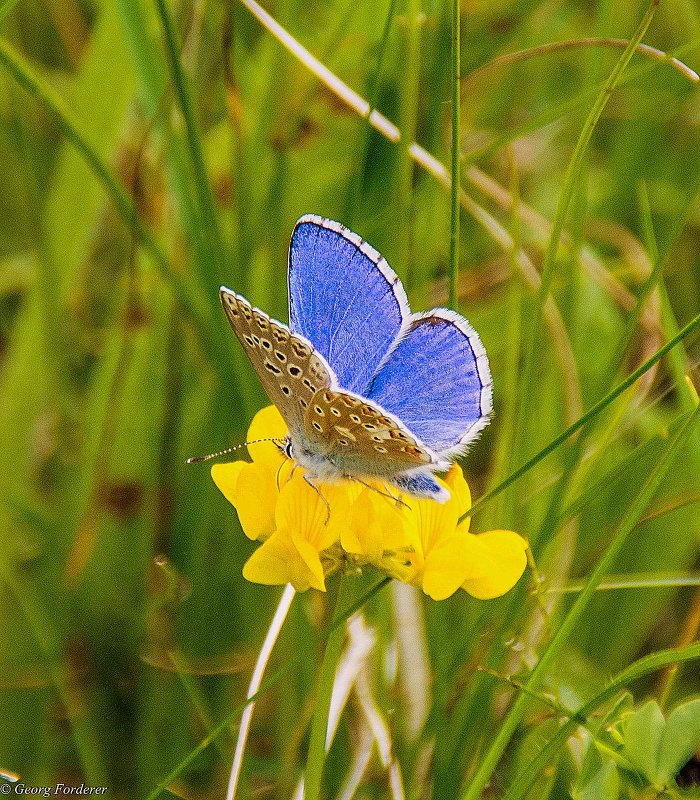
[{"x": 138, "y": 171}]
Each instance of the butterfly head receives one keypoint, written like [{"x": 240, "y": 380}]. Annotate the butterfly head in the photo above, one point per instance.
[{"x": 285, "y": 447}]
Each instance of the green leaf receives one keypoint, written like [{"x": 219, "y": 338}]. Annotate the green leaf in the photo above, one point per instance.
[
  {"x": 642, "y": 732},
  {"x": 680, "y": 740},
  {"x": 603, "y": 784}
]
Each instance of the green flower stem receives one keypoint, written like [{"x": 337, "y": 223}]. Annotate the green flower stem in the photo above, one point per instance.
[
  {"x": 455, "y": 183},
  {"x": 645, "y": 666},
  {"x": 597, "y": 408},
  {"x": 194, "y": 305},
  {"x": 211, "y": 236},
  {"x": 514, "y": 716},
  {"x": 319, "y": 722},
  {"x": 227, "y": 721}
]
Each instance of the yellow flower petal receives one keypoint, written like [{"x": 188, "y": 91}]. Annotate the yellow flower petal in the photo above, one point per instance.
[
  {"x": 312, "y": 561},
  {"x": 225, "y": 476},
  {"x": 302, "y": 509},
  {"x": 266, "y": 424},
  {"x": 279, "y": 561},
  {"x": 376, "y": 525},
  {"x": 256, "y": 500},
  {"x": 433, "y": 521},
  {"x": 497, "y": 560},
  {"x": 445, "y": 567},
  {"x": 252, "y": 489},
  {"x": 459, "y": 491}
]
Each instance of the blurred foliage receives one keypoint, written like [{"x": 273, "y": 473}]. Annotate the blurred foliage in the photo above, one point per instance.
[{"x": 116, "y": 364}]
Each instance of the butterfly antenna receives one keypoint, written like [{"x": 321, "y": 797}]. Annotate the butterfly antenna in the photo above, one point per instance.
[{"x": 198, "y": 459}]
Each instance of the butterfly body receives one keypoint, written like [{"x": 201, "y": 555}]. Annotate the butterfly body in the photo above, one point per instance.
[{"x": 367, "y": 389}]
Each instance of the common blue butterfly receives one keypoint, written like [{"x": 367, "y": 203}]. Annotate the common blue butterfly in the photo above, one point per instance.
[{"x": 368, "y": 390}]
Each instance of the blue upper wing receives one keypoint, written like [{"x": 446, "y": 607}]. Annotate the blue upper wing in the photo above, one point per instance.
[
  {"x": 344, "y": 298},
  {"x": 436, "y": 380}
]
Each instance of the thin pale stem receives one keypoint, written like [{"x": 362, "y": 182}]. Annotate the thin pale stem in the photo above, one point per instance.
[
  {"x": 226, "y": 722},
  {"x": 572, "y": 44},
  {"x": 273, "y": 633}
]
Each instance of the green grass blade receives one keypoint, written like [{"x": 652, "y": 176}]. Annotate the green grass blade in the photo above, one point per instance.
[
  {"x": 455, "y": 154},
  {"x": 197, "y": 309},
  {"x": 494, "y": 753},
  {"x": 644, "y": 666},
  {"x": 570, "y": 183},
  {"x": 337, "y": 624},
  {"x": 589, "y": 415},
  {"x": 319, "y": 723},
  {"x": 214, "y": 267}
]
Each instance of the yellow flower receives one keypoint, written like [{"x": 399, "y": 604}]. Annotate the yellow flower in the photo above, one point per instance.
[
  {"x": 275, "y": 505},
  {"x": 303, "y": 530},
  {"x": 447, "y": 556},
  {"x": 308, "y": 532},
  {"x": 254, "y": 488},
  {"x": 379, "y": 531}
]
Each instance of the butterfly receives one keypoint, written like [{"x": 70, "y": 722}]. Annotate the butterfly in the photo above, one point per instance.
[{"x": 367, "y": 389}]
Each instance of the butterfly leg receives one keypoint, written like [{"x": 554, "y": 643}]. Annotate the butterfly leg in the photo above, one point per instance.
[
  {"x": 289, "y": 477},
  {"x": 387, "y": 493},
  {"x": 320, "y": 494}
]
